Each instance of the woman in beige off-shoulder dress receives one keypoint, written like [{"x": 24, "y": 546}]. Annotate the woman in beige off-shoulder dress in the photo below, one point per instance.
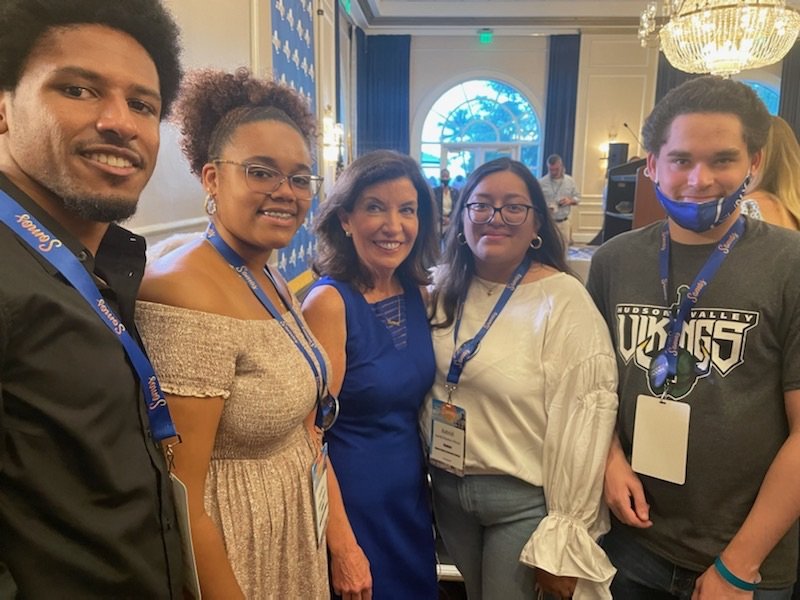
[{"x": 241, "y": 391}]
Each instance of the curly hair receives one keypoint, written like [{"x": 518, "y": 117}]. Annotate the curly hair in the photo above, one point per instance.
[
  {"x": 709, "y": 94},
  {"x": 455, "y": 274},
  {"x": 24, "y": 24},
  {"x": 213, "y": 103},
  {"x": 336, "y": 256}
]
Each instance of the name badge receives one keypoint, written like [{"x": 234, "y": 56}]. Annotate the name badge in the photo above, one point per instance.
[
  {"x": 319, "y": 486},
  {"x": 448, "y": 437},
  {"x": 191, "y": 582},
  {"x": 661, "y": 438}
]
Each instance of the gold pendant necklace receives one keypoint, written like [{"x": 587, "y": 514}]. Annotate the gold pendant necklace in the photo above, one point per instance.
[
  {"x": 489, "y": 289},
  {"x": 394, "y": 322}
]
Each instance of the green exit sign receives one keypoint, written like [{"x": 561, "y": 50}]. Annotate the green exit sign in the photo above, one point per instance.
[
  {"x": 346, "y": 5},
  {"x": 485, "y": 36}
]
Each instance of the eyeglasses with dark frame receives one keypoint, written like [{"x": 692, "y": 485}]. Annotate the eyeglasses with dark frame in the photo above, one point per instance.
[
  {"x": 482, "y": 213},
  {"x": 266, "y": 180}
]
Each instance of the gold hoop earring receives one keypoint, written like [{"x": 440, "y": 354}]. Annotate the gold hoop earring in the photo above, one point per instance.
[
  {"x": 461, "y": 239},
  {"x": 210, "y": 205},
  {"x": 536, "y": 242}
]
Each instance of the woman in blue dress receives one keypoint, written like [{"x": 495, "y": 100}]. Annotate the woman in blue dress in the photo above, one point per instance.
[{"x": 376, "y": 240}]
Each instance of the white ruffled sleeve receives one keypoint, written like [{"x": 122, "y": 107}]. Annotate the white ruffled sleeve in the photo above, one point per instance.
[{"x": 581, "y": 414}]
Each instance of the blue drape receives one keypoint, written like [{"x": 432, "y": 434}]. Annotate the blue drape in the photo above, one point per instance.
[
  {"x": 383, "y": 88},
  {"x": 790, "y": 89},
  {"x": 337, "y": 51},
  {"x": 669, "y": 77},
  {"x": 562, "y": 98}
]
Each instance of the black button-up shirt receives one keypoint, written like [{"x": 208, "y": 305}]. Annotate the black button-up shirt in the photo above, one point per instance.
[{"x": 85, "y": 499}]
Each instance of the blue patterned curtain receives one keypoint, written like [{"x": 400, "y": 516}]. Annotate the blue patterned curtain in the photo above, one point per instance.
[
  {"x": 383, "y": 88},
  {"x": 562, "y": 98},
  {"x": 293, "y": 64}
]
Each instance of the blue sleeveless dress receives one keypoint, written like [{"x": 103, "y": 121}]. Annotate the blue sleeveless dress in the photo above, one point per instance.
[{"x": 375, "y": 445}]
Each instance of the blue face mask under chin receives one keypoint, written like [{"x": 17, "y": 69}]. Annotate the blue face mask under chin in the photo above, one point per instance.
[{"x": 701, "y": 216}]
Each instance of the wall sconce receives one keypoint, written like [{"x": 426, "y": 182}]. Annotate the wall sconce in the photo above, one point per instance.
[
  {"x": 332, "y": 139},
  {"x": 603, "y": 151}
]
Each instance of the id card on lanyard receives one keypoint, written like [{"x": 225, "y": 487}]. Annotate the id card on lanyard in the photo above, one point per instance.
[
  {"x": 661, "y": 425},
  {"x": 319, "y": 488},
  {"x": 55, "y": 252},
  {"x": 448, "y": 421},
  {"x": 327, "y": 404}
]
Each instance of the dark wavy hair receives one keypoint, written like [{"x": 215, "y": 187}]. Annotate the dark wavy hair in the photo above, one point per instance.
[
  {"x": 214, "y": 103},
  {"x": 25, "y": 23},
  {"x": 458, "y": 264},
  {"x": 709, "y": 94},
  {"x": 336, "y": 256}
]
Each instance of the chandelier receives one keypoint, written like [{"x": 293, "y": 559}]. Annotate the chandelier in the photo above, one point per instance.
[{"x": 721, "y": 37}]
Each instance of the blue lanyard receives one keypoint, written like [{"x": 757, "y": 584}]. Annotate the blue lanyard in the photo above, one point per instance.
[
  {"x": 665, "y": 365},
  {"x": 237, "y": 262},
  {"x": 469, "y": 348},
  {"x": 53, "y": 250}
]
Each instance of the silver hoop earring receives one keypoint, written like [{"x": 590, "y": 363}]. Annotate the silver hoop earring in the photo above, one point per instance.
[
  {"x": 461, "y": 239},
  {"x": 646, "y": 173},
  {"x": 536, "y": 242},
  {"x": 210, "y": 205}
]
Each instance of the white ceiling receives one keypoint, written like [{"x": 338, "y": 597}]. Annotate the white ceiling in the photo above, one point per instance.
[{"x": 504, "y": 17}]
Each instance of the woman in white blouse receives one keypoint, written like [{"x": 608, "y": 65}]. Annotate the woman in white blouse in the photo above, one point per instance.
[{"x": 518, "y": 430}]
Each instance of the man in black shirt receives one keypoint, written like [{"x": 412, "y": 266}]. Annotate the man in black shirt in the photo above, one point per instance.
[{"x": 85, "y": 500}]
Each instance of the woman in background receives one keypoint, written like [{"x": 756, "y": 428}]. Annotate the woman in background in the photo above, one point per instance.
[
  {"x": 774, "y": 194},
  {"x": 524, "y": 368},
  {"x": 376, "y": 235},
  {"x": 241, "y": 389}
]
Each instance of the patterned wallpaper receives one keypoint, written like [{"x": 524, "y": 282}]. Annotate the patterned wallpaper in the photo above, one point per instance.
[{"x": 293, "y": 64}]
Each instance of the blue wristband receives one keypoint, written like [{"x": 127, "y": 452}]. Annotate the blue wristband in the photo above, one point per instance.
[{"x": 733, "y": 579}]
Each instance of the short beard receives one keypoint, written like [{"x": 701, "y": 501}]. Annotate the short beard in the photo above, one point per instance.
[{"x": 100, "y": 210}]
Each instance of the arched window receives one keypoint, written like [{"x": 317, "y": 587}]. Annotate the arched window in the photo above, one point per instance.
[
  {"x": 768, "y": 95},
  {"x": 477, "y": 121}
]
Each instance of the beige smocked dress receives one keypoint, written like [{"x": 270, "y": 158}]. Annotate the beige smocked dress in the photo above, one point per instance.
[{"x": 258, "y": 489}]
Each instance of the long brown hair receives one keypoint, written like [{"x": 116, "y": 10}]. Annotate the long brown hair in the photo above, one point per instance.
[
  {"x": 780, "y": 167},
  {"x": 336, "y": 256},
  {"x": 455, "y": 273}
]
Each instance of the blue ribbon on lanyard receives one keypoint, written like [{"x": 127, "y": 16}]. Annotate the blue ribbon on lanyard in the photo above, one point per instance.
[
  {"x": 469, "y": 348},
  {"x": 53, "y": 250},
  {"x": 664, "y": 367},
  {"x": 327, "y": 405}
]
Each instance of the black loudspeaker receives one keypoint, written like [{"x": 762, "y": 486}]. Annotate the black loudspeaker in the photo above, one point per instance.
[{"x": 617, "y": 154}]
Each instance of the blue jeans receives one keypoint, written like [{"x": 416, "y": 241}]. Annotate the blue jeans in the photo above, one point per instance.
[
  {"x": 643, "y": 575},
  {"x": 485, "y": 520}
]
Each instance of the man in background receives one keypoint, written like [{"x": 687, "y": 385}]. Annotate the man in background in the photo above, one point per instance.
[
  {"x": 446, "y": 197},
  {"x": 85, "y": 498},
  {"x": 561, "y": 194}
]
